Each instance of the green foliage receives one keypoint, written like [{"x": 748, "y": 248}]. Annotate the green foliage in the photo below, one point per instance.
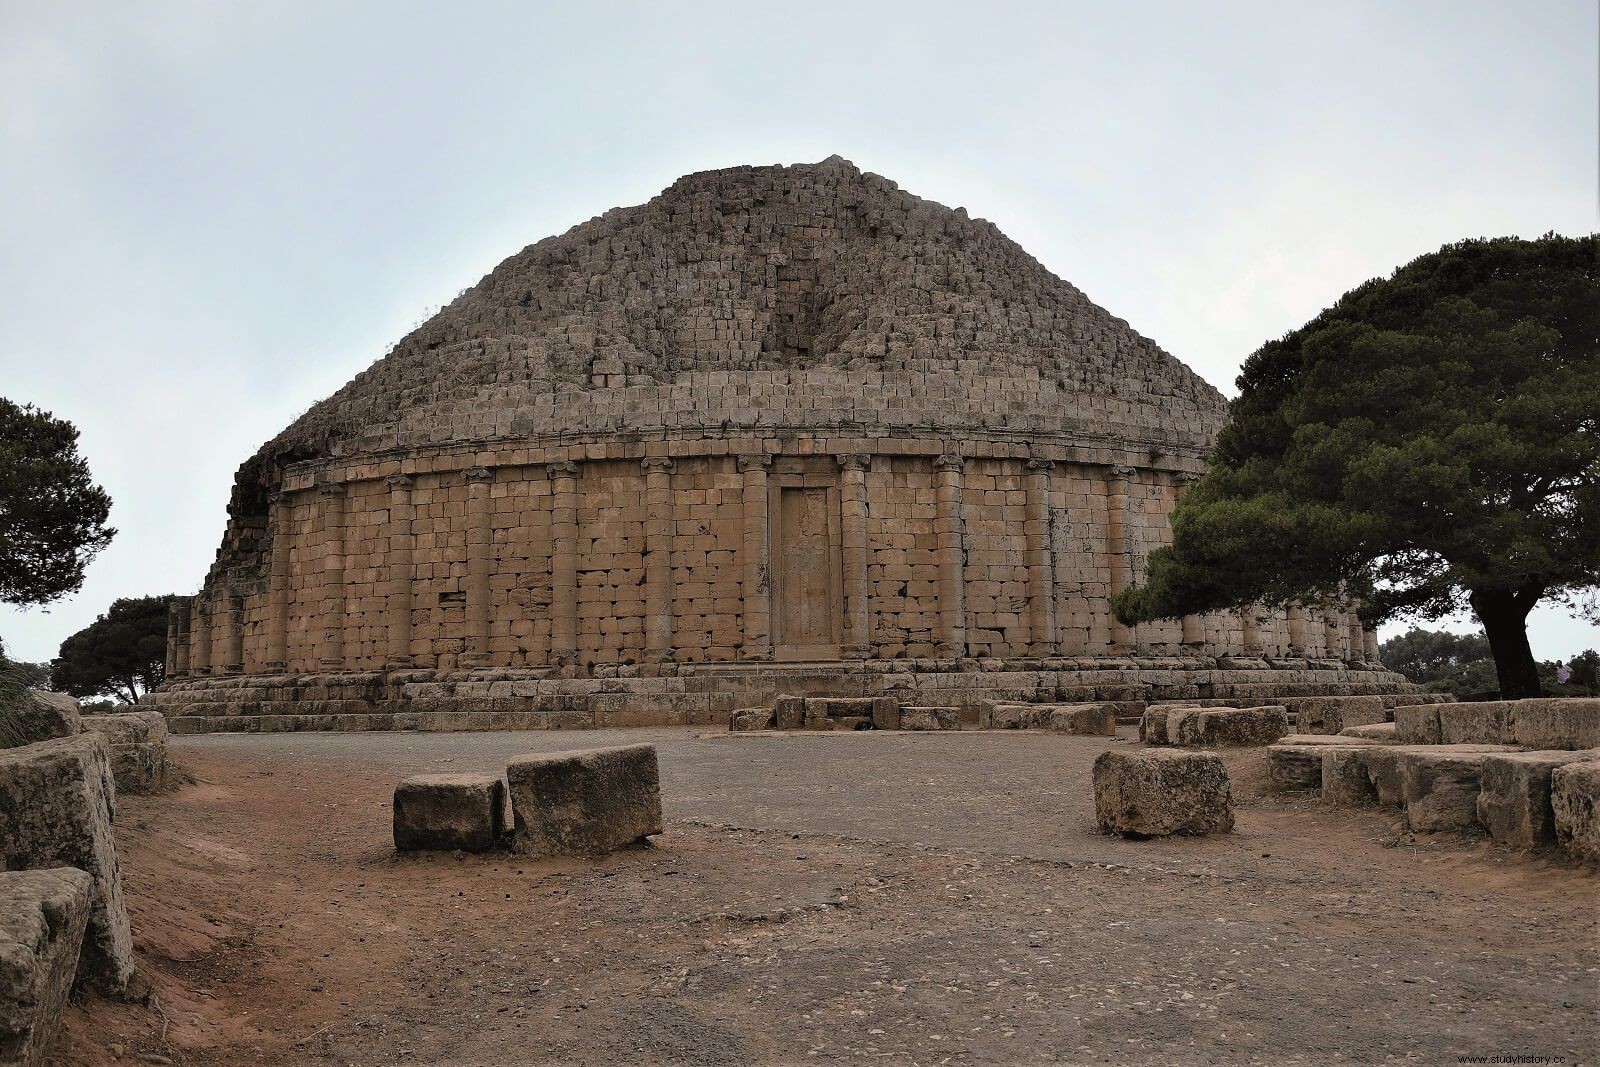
[
  {"x": 121, "y": 654},
  {"x": 52, "y": 515},
  {"x": 1428, "y": 442},
  {"x": 1424, "y": 656}
]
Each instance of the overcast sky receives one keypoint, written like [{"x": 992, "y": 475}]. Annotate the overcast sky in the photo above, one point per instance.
[{"x": 213, "y": 215}]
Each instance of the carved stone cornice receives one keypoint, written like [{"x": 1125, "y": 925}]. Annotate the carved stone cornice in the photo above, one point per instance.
[
  {"x": 854, "y": 461},
  {"x": 331, "y": 489},
  {"x": 477, "y": 474},
  {"x": 656, "y": 465},
  {"x": 399, "y": 481},
  {"x": 1041, "y": 466},
  {"x": 1123, "y": 471},
  {"x": 753, "y": 461},
  {"x": 565, "y": 468},
  {"x": 948, "y": 462}
]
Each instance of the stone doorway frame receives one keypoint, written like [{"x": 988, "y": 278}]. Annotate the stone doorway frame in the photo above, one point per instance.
[{"x": 806, "y": 472}]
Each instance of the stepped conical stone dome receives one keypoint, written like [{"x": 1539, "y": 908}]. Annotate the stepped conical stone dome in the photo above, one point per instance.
[{"x": 780, "y": 428}]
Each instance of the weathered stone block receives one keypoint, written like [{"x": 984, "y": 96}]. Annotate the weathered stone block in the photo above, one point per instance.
[
  {"x": 789, "y": 712},
  {"x": 43, "y": 914},
  {"x": 1575, "y": 803},
  {"x": 1085, "y": 720},
  {"x": 886, "y": 713},
  {"x": 449, "y": 812},
  {"x": 1345, "y": 782},
  {"x": 1296, "y": 761},
  {"x": 584, "y": 802},
  {"x": 750, "y": 719},
  {"x": 1417, "y": 724},
  {"x": 30, "y": 715},
  {"x": 1483, "y": 723},
  {"x": 1154, "y": 792},
  {"x": 1331, "y": 714},
  {"x": 138, "y": 742},
  {"x": 1557, "y": 723},
  {"x": 1381, "y": 732},
  {"x": 1514, "y": 799},
  {"x": 914, "y": 717},
  {"x": 1211, "y": 727},
  {"x": 1440, "y": 786},
  {"x": 1006, "y": 715},
  {"x": 56, "y": 803}
]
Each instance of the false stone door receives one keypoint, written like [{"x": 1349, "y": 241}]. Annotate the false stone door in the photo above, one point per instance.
[{"x": 806, "y": 594}]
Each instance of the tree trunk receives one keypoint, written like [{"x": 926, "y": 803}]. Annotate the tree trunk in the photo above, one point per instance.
[{"x": 1504, "y": 614}]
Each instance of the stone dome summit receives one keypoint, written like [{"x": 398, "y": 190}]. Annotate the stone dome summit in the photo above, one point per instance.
[{"x": 779, "y": 430}]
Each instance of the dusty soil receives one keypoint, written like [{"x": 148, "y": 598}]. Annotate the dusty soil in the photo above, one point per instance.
[{"x": 822, "y": 898}]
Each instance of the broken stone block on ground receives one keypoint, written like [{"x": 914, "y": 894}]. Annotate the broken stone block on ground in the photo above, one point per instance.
[
  {"x": 750, "y": 719},
  {"x": 138, "y": 741},
  {"x": 1331, "y": 714},
  {"x": 1575, "y": 804},
  {"x": 1514, "y": 796},
  {"x": 449, "y": 812},
  {"x": 1154, "y": 792},
  {"x": 1571, "y": 723},
  {"x": 43, "y": 915},
  {"x": 1440, "y": 784},
  {"x": 584, "y": 802},
  {"x": 1382, "y": 732},
  {"x": 1417, "y": 724},
  {"x": 914, "y": 717},
  {"x": 1084, "y": 720},
  {"x": 1295, "y": 761},
  {"x": 56, "y": 803},
  {"x": 1213, "y": 727},
  {"x": 30, "y": 715},
  {"x": 1345, "y": 782}
]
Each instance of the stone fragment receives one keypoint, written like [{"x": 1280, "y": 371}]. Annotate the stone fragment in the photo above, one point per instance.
[
  {"x": 1085, "y": 720},
  {"x": 138, "y": 742},
  {"x": 750, "y": 719},
  {"x": 886, "y": 713},
  {"x": 43, "y": 914},
  {"x": 1331, "y": 714},
  {"x": 1004, "y": 715},
  {"x": 914, "y": 717},
  {"x": 29, "y": 715},
  {"x": 1381, "y": 732},
  {"x": 1295, "y": 762},
  {"x": 1345, "y": 782},
  {"x": 449, "y": 812},
  {"x": 56, "y": 803},
  {"x": 1153, "y": 792},
  {"x": 789, "y": 712},
  {"x": 1211, "y": 727},
  {"x": 1557, "y": 723},
  {"x": 1514, "y": 799},
  {"x": 1417, "y": 724},
  {"x": 1440, "y": 785},
  {"x": 584, "y": 802},
  {"x": 1575, "y": 804},
  {"x": 1383, "y": 770}
]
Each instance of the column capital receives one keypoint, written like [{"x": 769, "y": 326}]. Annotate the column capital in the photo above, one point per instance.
[
  {"x": 854, "y": 461},
  {"x": 1123, "y": 471},
  {"x": 1186, "y": 477},
  {"x": 399, "y": 481},
  {"x": 751, "y": 461},
  {"x": 277, "y": 496},
  {"x": 948, "y": 462},
  {"x": 1042, "y": 466},
  {"x": 565, "y": 468},
  {"x": 656, "y": 465},
  {"x": 477, "y": 474},
  {"x": 331, "y": 489}
]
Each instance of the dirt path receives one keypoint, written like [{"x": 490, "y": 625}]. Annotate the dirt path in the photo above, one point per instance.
[{"x": 824, "y": 898}]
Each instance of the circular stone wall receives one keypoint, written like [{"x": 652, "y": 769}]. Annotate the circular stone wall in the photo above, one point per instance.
[{"x": 779, "y": 429}]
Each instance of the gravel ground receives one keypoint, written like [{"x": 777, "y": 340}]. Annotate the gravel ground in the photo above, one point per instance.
[{"x": 818, "y": 898}]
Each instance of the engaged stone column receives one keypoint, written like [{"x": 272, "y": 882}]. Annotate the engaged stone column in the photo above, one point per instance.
[
  {"x": 1297, "y": 629},
  {"x": 1332, "y": 634},
  {"x": 330, "y": 651},
  {"x": 756, "y": 587},
  {"x": 1193, "y": 626},
  {"x": 564, "y": 562},
  {"x": 480, "y": 560},
  {"x": 199, "y": 635},
  {"x": 279, "y": 578},
  {"x": 1250, "y": 630},
  {"x": 232, "y": 629},
  {"x": 1369, "y": 645},
  {"x": 1043, "y": 636},
  {"x": 853, "y": 554},
  {"x": 178, "y": 636},
  {"x": 398, "y": 573},
  {"x": 658, "y": 559},
  {"x": 1118, "y": 531},
  {"x": 1357, "y": 639},
  {"x": 950, "y": 553}
]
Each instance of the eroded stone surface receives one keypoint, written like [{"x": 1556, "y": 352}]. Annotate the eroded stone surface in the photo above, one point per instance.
[
  {"x": 1295, "y": 762},
  {"x": 447, "y": 812},
  {"x": 1514, "y": 798},
  {"x": 1332, "y": 714},
  {"x": 1345, "y": 781},
  {"x": 43, "y": 915},
  {"x": 1440, "y": 785},
  {"x": 584, "y": 802},
  {"x": 751, "y": 719},
  {"x": 138, "y": 742},
  {"x": 1154, "y": 792},
  {"x": 1382, "y": 732},
  {"x": 29, "y": 715},
  {"x": 1575, "y": 803},
  {"x": 913, "y": 717},
  {"x": 1211, "y": 727},
  {"x": 56, "y": 803}
]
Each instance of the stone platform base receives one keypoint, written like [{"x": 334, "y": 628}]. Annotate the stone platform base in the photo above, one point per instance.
[{"x": 706, "y": 694}]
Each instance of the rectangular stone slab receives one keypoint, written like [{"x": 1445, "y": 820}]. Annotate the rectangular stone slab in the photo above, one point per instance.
[
  {"x": 1514, "y": 796},
  {"x": 584, "y": 802},
  {"x": 1084, "y": 720},
  {"x": 138, "y": 742},
  {"x": 1208, "y": 727},
  {"x": 1417, "y": 724},
  {"x": 30, "y": 715},
  {"x": 1296, "y": 761},
  {"x": 1441, "y": 785},
  {"x": 1575, "y": 801},
  {"x": 449, "y": 812},
  {"x": 43, "y": 915},
  {"x": 1331, "y": 714},
  {"x": 1345, "y": 782},
  {"x": 57, "y": 799},
  {"x": 1381, "y": 732},
  {"x": 913, "y": 717},
  {"x": 1151, "y": 792},
  {"x": 1485, "y": 722},
  {"x": 1570, "y": 723}
]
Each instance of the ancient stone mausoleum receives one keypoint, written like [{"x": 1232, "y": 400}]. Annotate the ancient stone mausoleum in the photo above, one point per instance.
[{"x": 780, "y": 429}]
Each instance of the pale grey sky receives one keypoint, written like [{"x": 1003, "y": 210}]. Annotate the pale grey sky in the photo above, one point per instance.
[{"x": 212, "y": 215}]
